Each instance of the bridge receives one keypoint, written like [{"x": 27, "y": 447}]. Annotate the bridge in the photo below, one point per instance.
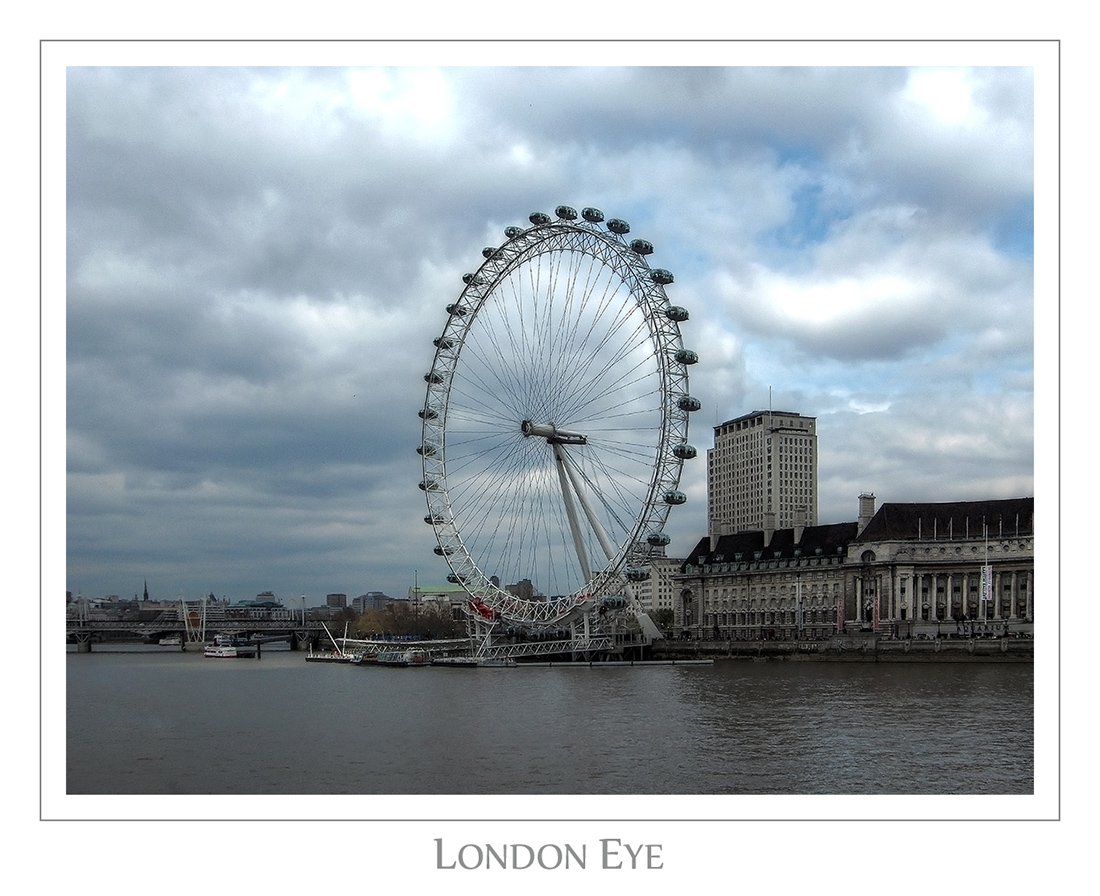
[{"x": 195, "y": 626}]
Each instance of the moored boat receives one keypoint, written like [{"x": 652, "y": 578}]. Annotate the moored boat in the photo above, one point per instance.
[
  {"x": 227, "y": 647},
  {"x": 455, "y": 661},
  {"x": 408, "y": 657},
  {"x": 325, "y": 657},
  {"x": 497, "y": 662}
]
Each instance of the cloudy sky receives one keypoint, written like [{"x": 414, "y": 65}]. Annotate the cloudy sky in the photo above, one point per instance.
[{"x": 258, "y": 259}]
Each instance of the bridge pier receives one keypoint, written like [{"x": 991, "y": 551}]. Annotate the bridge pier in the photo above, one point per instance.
[{"x": 300, "y": 639}]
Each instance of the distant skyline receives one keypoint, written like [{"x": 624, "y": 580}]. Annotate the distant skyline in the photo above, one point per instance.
[{"x": 259, "y": 258}]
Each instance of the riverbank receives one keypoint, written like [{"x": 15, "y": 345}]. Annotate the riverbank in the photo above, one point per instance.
[{"x": 856, "y": 649}]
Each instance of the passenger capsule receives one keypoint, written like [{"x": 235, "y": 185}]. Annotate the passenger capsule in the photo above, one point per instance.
[
  {"x": 566, "y": 213},
  {"x": 470, "y": 278},
  {"x": 489, "y": 251},
  {"x": 434, "y": 378},
  {"x": 427, "y": 414},
  {"x": 660, "y": 275},
  {"x": 443, "y": 343},
  {"x": 684, "y": 451},
  {"x": 637, "y": 573},
  {"x": 427, "y": 450},
  {"x": 428, "y": 485},
  {"x": 674, "y": 497},
  {"x": 592, "y": 215},
  {"x": 658, "y": 539},
  {"x": 688, "y": 403},
  {"x": 676, "y": 313},
  {"x": 433, "y": 519},
  {"x": 442, "y": 551},
  {"x": 614, "y": 601},
  {"x": 455, "y": 579},
  {"x": 642, "y": 247},
  {"x": 538, "y": 218},
  {"x": 512, "y": 232},
  {"x": 456, "y": 310},
  {"x": 619, "y": 226},
  {"x": 686, "y": 356}
]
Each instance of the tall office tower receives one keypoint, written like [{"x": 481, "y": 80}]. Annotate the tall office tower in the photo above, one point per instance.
[{"x": 762, "y": 473}]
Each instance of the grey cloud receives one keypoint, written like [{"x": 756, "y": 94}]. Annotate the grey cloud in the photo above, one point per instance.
[{"x": 257, "y": 264}]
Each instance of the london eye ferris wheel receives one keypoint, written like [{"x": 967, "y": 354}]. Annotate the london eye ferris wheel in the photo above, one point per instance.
[{"x": 555, "y": 423}]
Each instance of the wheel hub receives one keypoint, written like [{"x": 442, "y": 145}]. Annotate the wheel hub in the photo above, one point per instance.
[{"x": 552, "y": 434}]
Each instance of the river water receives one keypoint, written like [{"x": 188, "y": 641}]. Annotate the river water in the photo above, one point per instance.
[{"x": 157, "y": 721}]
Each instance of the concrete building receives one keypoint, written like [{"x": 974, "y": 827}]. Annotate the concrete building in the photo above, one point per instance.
[
  {"x": 336, "y": 601},
  {"x": 372, "y": 600},
  {"x": 762, "y": 473},
  {"x": 658, "y": 591}
]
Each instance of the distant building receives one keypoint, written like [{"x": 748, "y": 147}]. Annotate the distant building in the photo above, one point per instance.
[
  {"x": 762, "y": 472},
  {"x": 523, "y": 589},
  {"x": 336, "y": 601},
  {"x": 444, "y": 594},
  {"x": 372, "y": 600}
]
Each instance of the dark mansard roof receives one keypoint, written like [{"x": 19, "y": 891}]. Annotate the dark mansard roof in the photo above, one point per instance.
[
  {"x": 954, "y": 520},
  {"x": 892, "y": 522},
  {"x": 816, "y": 541}
]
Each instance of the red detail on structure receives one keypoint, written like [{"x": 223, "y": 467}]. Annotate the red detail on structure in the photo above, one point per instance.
[{"x": 482, "y": 609}]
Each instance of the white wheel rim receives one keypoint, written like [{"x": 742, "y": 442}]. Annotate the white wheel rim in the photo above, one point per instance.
[{"x": 564, "y": 328}]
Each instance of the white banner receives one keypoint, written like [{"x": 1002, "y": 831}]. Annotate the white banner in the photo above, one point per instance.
[{"x": 987, "y": 582}]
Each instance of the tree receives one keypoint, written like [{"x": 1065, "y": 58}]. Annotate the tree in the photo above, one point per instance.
[
  {"x": 430, "y": 619},
  {"x": 663, "y": 618}
]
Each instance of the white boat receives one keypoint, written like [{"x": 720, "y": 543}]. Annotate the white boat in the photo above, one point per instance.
[
  {"x": 410, "y": 657},
  {"x": 227, "y": 646},
  {"x": 326, "y": 656},
  {"x": 455, "y": 661},
  {"x": 498, "y": 662}
]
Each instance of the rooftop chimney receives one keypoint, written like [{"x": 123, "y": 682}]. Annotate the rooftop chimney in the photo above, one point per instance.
[{"x": 866, "y": 511}]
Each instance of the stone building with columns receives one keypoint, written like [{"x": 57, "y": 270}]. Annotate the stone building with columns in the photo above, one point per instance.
[
  {"x": 965, "y": 566},
  {"x": 903, "y": 570}
]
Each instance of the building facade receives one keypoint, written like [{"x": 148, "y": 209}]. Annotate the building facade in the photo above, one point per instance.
[
  {"x": 762, "y": 472},
  {"x": 905, "y": 570},
  {"x": 765, "y": 585},
  {"x": 965, "y": 565},
  {"x": 658, "y": 591}
]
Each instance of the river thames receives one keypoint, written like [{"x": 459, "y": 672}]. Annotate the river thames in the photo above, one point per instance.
[{"x": 153, "y": 721}]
